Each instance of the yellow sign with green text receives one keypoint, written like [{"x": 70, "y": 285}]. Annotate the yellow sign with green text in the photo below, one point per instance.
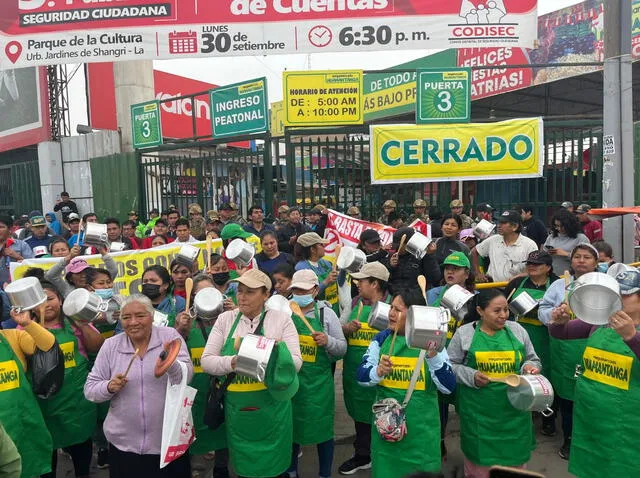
[
  {"x": 323, "y": 98},
  {"x": 430, "y": 153},
  {"x": 277, "y": 119}
]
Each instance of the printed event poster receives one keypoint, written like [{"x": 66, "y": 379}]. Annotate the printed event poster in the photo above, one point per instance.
[
  {"x": 430, "y": 153},
  {"x": 47, "y": 32}
]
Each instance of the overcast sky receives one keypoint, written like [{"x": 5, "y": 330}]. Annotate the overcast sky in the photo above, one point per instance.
[{"x": 221, "y": 71}]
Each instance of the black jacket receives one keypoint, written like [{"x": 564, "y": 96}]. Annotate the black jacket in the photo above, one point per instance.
[
  {"x": 405, "y": 274},
  {"x": 535, "y": 230},
  {"x": 286, "y": 232}
]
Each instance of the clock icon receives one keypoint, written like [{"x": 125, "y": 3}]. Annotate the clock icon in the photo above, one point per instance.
[{"x": 320, "y": 36}]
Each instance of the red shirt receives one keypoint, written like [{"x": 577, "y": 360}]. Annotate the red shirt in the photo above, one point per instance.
[
  {"x": 146, "y": 242},
  {"x": 593, "y": 230}
]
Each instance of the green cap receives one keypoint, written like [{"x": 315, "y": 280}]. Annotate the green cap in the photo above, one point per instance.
[
  {"x": 281, "y": 378},
  {"x": 458, "y": 259},
  {"x": 233, "y": 231}
]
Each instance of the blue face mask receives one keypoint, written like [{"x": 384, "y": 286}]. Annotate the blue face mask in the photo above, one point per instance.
[
  {"x": 603, "y": 267},
  {"x": 104, "y": 293},
  {"x": 303, "y": 300}
]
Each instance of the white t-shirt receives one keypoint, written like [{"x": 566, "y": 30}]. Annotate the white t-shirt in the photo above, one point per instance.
[{"x": 506, "y": 261}]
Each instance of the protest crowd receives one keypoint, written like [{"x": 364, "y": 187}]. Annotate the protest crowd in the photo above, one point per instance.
[{"x": 225, "y": 364}]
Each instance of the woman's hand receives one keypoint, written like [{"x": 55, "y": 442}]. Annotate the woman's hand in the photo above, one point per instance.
[
  {"x": 560, "y": 252},
  {"x": 75, "y": 252},
  {"x": 623, "y": 325},
  {"x": 394, "y": 260},
  {"x": 384, "y": 367},
  {"x": 234, "y": 361},
  {"x": 530, "y": 370},
  {"x": 241, "y": 270},
  {"x": 480, "y": 277},
  {"x": 320, "y": 338},
  {"x": 331, "y": 277},
  {"x": 432, "y": 247},
  {"x": 10, "y": 253},
  {"x": 228, "y": 304},
  {"x": 21, "y": 318},
  {"x": 183, "y": 324},
  {"x": 351, "y": 327},
  {"x": 481, "y": 380},
  {"x": 561, "y": 315},
  {"x": 117, "y": 383}
]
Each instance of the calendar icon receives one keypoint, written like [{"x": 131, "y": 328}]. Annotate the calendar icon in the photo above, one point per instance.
[{"x": 183, "y": 42}]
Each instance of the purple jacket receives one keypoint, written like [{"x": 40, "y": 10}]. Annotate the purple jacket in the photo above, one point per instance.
[{"x": 134, "y": 421}]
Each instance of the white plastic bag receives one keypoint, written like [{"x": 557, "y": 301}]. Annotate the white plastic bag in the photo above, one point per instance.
[{"x": 177, "y": 425}]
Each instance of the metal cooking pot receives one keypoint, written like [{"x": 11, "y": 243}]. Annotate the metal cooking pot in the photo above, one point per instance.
[
  {"x": 208, "y": 303},
  {"x": 84, "y": 306},
  {"x": 280, "y": 303},
  {"x": 483, "y": 229},
  {"x": 417, "y": 245},
  {"x": 117, "y": 246},
  {"x": 351, "y": 259},
  {"x": 457, "y": 300},
  {"x": 26, "y": 294},
  {"x": 427, "y": 327},
  {"x": 617, "y": 268},
  {"x": 523, "y": 304},
  {"x": 188, "y": 255},
  {"x": 95, "y": 234},
  {"x": 594, "y": 297},
  {"x": 253, "y": 356},
  {"x": 534, "y": 394},
  {"x": 379, "y": 317},
  {"x": 160, "y": 319},
  {"x": 240, "y": 252}
]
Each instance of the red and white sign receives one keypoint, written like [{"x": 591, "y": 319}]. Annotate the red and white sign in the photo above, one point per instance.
[{"x": 39, "y": 32}]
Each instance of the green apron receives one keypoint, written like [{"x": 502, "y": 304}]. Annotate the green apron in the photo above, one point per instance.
[
  {"x": 606, "y": 425},
  {"x": 492, "y": 432},
  {"x": 358, "y": 399},
  {"x": 451, "y": 330},
  {"x": 69, "y": 416},
  {"x": 206, "y": 439},
  {"x": 419, "y": 450},
  {"x": 314, "y": 403},
  {"x": 259, "y": 428},
  {"x": 330, "y": 293},
  {"x": 566, "y": 355},
  {"x": 538, "y": 333},
  {"x": 21, "y": 416}
]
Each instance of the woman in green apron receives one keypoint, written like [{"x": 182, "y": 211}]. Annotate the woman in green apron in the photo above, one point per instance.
[
  {"x": 456, "y": 271},
  {"x": 372, "y": 285},
  {"x": 222, "y": 281},
  {"x": 157, "y": 285},
  {"x": 606, "y": 425},
  {"x": 389, "y": 372},
  {"x": 195, "y": 332},
  {"x": 69, "y": 416},
  {"x": 492, "y": 432},
  {"x": 314, "y": 403},
  {"x": 309, "y": 253},
  {"x": 27, "y": 430},
  {"x": 566, "y": 355},
  {"x": 258, "y": 420}
]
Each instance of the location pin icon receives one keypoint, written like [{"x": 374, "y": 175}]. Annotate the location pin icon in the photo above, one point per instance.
[{"x": 13, "y": 51}]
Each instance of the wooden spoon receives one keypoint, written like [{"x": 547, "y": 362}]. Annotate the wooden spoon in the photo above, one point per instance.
[
  {"x": 209, "y": 241},
  {"x": 295, "y": 308},
  {"x": 403, "y": 240},
  {"x": 512, "y": 380},
  {"x": 131, "y": 362},
  {"x": 359, "y": 311},
  {"x": 422, "y": 282},
  {"x": 337, "y": 254},
  {"x": 511, "y": 294},
  {"x": 395, "y": 334},
  {"x": 41, "y": 310},
  {"x": 236, "y": 343},
  {"x": 188, "y": 288}
]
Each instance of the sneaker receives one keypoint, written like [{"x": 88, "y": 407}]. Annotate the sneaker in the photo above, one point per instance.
[
  {"x": 354, "y": 464},
  {"x": 564, "y": 449},
  {"x": 549, "y": 428},
  {"x": 103, "y": 458}
]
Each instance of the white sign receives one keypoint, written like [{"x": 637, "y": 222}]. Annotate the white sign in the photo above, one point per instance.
[{"x": 609, "y": 145}]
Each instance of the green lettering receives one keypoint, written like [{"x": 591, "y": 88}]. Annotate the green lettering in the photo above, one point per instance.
[
  {"x": 473, "y": 152},
  {"x": 410, "y": 151},
  {"x": 492, "y": 142},
  {"x": 513, "y": 147},
  {"x": 429, "y": 149},
  {"x": 384, "y": 153},
  {"x": 451, "y": 147}
]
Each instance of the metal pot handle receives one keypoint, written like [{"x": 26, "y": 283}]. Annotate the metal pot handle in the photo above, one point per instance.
[
  {"x": 547, "y": 413},
  {"x": 103, "y": 306}
]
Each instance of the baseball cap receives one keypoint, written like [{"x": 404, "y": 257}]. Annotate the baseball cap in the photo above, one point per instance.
[
  {"x": 389, "y": 203},
  {"x": 539, "y": 257},
  {"x": 583, "y": 208},
  {"x": 510, "y": 216},
  {"x": 567, "y": 204},
  {"x": 310, "y": 238},
  {"x": 419, "y": 203},
  {"x": 73, "y": 217},
  {"x": 40, "y": 251},
  {"x": 76, "y": 265},
  {"x": 283, "y": 208},
  {"x": 372, "y": 269},
  {"x": 370, "y": 235},
  {"x": 629, "y": 281},
  {"x": 305, "y": 279},
  {"x": 484, "y": 207},
  {"x": 458, "y": 259},
  {"x": 38, "y": 221},
  {"x": 316, "y": 210},
  {"x": 466, "y": 233},
  {"x": 456, "y": 203},
  {"x": 231, "y": 231},
  {"x": 254, "y": 279},
  {"x": 281, "y": 376}
]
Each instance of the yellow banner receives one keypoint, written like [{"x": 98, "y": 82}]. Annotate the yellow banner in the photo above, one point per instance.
[
  {"x": 430, "y": 153},
  {"x": 608, "y": 368},
  {"x": 400, "y": 376},
  {"x": 277, "y": 119},
  {"x": 388, "y": 98},
  {"x": 308, "y": 348},
  {"x": 322, "y": 98},
  {"x": 363, "y": 336},
  {"x": 243, "y": 384},
  {"x": 69, "y": 354},
  {"x": 196, "y": 355},
  {"x": 496, "y": 364},
  {"x": 9, "y": 378}
]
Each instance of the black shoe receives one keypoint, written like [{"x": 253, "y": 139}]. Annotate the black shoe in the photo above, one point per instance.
[
  {"x": 103, "y": 458},
  {"x": 564, "y": 449},
  {"x": 354, "y": 464},
  {"x": 549, "y": 428}
]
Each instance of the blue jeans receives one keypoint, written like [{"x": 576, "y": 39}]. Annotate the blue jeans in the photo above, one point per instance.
[{"x": 325, "y": 458}]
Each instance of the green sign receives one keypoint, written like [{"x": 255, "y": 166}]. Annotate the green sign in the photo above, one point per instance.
[
  {"x": 145, "y": 125},
  {"x": 444, "y": 96},
  {"x": 241, "y": 108}
]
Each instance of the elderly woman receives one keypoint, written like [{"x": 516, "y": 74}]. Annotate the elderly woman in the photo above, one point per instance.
[
  {"x": 157, "y": 285},
  {"x": 418, "y": 450},
  {"x": 608, "y": 384},
  {"x": 134, "y": 423},
  {"x": 492, "y": 432},
  {"x": 258, "y": 421}
]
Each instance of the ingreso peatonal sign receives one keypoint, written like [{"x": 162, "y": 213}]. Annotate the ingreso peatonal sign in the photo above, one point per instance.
[{"x": 44, "y": 32}]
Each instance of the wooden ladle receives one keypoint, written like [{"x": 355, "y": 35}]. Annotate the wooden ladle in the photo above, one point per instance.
[
  {"x": 188, "y": 288},
  {"x": 422, "y": 282},
  {"x": 512, "y": 380},
  {"x": 295, "y": 308}
]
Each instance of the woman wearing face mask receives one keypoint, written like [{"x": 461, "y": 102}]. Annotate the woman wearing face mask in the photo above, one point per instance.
[
  {"x": 58, "y": 247},
  {"x": 179, "y": 275},
  {"x": 418, "y": 450},
  {"x": 69, "y": 416},
  {"x": 492, "y": 432},
  {"x": 314, "y": 403},
  {"x": 100, "y": 283},
  {"x": 309, "y": 252},
  {"x": 271, "y": 257},
  {"x": 448, "y": 243},
  {"x": 282, "y": 277},
  {"x": 222, "y": 281},
  {"x": 156, "y": 285},
  {"x": 566, "y": 355}
]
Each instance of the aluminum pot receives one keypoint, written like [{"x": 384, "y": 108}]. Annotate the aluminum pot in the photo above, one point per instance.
[
  {"x": 379, "y": 316},
  {"x": 95, "y": 234},
  {"x": 351, "y": 259},
  {"x": 84, "y": 306},
  {"x": 117, "y": 246},
  {"x": 417, "y": 245},
  {"x": 483, "y": 229},
  {"x": 457, "y": 300},
  {"x": 534, "y": 394},
  {"x": 26, "y": 294},
  {"x": 208, "y": 303},
  {"x": 594, "y": 297},
  {"x": 617, "y": 268},
  {"x": 278, "y": 302},
  {"x": 160, "y": 319},
  {"x": 427, "y": 327},
  {"x": 240, "y": 252},
  {"x": 523, "y": 304},
  {"x": 188, "y": 255},
  {"x": 253, "y": 356}
]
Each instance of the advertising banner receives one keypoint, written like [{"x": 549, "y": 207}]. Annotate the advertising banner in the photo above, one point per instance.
[
  {"x": 444, "y": 96},
  {"x": 241, "y": 108},
  {"x": 431, "y": 153},
  {"x": 44, "y": 32}
]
